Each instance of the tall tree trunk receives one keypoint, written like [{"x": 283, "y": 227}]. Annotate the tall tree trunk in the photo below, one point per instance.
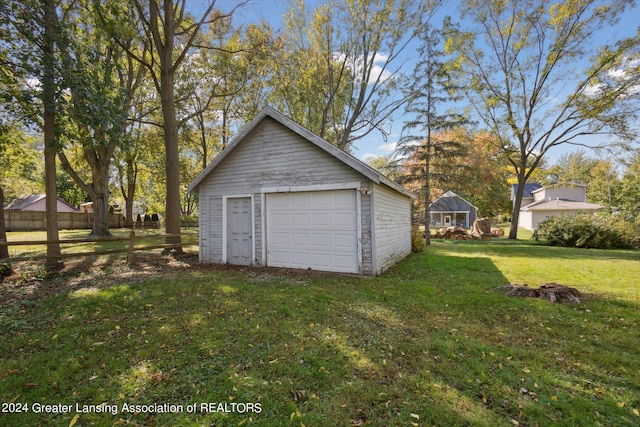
[
  {"x": 4, "y": 250},
  {"x": 50, "y": 143},
  {"x": 100, "y": 200},
  {"x": 172, "y": 167},
  {"x": 98, "y": 190},
  {"x": 129, "y": 194},
  {"x": 517, "y": 203}
]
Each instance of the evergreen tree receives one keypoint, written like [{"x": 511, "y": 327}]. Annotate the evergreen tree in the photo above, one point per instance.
[{"x": 425, "y": 142}]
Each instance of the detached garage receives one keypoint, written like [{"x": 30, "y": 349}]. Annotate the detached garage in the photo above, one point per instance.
[{"x": 281, "y": 196}]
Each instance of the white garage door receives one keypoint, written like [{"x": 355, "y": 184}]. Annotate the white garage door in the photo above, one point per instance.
[{"x": 316, "y": 230}]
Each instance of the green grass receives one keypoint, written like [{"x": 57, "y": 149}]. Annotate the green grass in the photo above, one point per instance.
[
  {"x": 144, "y": 237},
  {"x": 430, "y": 343}
]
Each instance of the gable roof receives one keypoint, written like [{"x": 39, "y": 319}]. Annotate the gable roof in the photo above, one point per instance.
[
  {"x": 450, "y": 202},
  {"x": 24, "y": 202},
  {"x": 529, "y": 188},
  {"x": 324, "y": 145}
]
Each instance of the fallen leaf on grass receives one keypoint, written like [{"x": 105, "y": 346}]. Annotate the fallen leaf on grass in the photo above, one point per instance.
[
  {"x": 74, "y": 420},
  {"x": 298, "y": 394}
]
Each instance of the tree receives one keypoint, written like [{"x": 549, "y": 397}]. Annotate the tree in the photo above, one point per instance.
[
  {"x": 388, "y": 166},
  {"x": 34, "y": 27},
  {"x": 598, "y": 174},
  {"x": 338, "y": 70},
  {"x": 571, "y": 167},
  {"x": 100, "y": 81},
  {"x": 429, "y": 91},
  {"x": 484, "y": 175},
  {"x": 629, "y": 193},
  {"x": 526, "y": 60},
  {"x": 170, "y": 33}
]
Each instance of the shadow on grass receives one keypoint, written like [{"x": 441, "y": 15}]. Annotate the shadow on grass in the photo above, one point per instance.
[{"x": 430, "y": 343}]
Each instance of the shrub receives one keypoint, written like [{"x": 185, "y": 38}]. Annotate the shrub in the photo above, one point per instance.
[
  {"x": 417, "y": 241},
  {"x": 586, "y": 231},
  {"x": 5, "y": 268}
]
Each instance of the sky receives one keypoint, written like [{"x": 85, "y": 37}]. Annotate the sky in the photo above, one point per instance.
[{"x": 375, "y": 144}]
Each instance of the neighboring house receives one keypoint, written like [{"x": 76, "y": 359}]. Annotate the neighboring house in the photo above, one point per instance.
[
  {"x": 555, "y": 200},
  {"x": 281, "y": 196},
  {"x": 451, "y": 209},
  {"x": 527, "y": 196},
  {"x": 37, "y": 202}
]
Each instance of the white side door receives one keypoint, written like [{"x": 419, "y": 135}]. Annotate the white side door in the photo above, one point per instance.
[{"x": 239, "y": 233}]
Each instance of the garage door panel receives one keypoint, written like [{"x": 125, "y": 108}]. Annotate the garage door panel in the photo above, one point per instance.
[
  {"x": 343, "y": 199},
  {"x": 343, "y": 240},
  {"x": 301, "y": 201},
  {"x": 280, "y": 218},
  {"x": 300, "y": 239},
  {"x": 319, "y": 218},
  {"x": 345, "y": 220},
  {"x": 321, "y": 241},
  {"x": 344, "y": 261},
  {"x": 316, "y": 230},
  {"x": 300, "y": 219},
  {"x": 319, "y": 198},
  {"x": 280, "y": 238}
]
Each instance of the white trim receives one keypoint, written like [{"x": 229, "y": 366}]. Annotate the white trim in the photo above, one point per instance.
[
  {"x": 374, "y": 249},
  {"x": 359, "y": 229},
  {"x": 315, "y": 187},
  {"x": 263, "y": 220},
  {"x": 224, "y": 225}
]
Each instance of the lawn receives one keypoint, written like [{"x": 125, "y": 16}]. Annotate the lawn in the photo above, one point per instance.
[
  {"x": 432, "y": 342},
  {"x": 143, "y": 237}
]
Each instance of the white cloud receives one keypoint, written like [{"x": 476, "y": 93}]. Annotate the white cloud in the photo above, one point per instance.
[
  {"x": 357, "y": 64},
  {"x": 388, "y": 148}
]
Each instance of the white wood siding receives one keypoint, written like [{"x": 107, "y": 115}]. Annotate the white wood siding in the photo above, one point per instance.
[
  {"x": 392, "y": 218},
  {"x": 270, "y": 156}
]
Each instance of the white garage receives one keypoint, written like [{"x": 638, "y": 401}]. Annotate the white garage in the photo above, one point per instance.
[{"x": 281, "y": 196}]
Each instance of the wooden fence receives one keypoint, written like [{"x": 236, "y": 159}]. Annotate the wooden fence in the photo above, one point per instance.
[
  {"x": 34, "y": 220},
  {"x": 129, "y": 250}
]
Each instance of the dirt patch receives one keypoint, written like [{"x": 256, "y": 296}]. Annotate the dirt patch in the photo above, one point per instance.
[{"x": 30, "y": 280}]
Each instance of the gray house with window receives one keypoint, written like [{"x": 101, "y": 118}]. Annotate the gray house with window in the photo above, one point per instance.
[
  {"x": 451, "y": 209},
  {"x": 281, "y": 196}
]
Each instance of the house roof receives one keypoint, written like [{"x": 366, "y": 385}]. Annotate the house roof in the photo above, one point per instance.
[
  {"x": 561, "y": 205},
  {"x": 324, "y": 145},
  {"x": 529, "y": 188},
  {"x": 451, "y": 202},
  {"x": 24, "y": 202}
]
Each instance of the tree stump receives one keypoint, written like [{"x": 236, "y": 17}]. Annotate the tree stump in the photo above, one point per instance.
[{"x": 549, "y": 291}]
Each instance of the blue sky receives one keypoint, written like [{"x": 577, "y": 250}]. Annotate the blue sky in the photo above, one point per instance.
[{"x": 374, "y": 144}]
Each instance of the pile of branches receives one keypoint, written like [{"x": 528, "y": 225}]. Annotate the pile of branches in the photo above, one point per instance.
[{"x": 549, "y": 291}]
